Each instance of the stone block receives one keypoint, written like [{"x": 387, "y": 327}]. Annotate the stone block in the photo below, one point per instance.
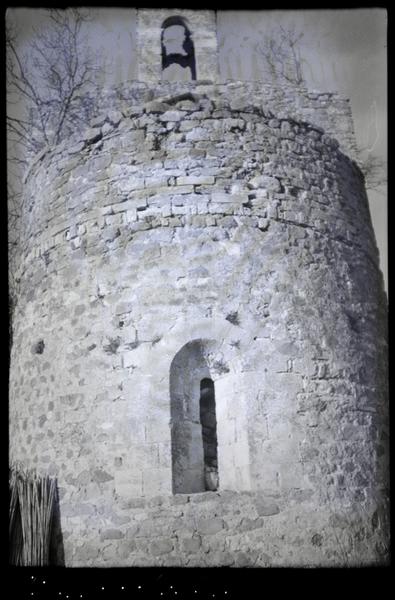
[
  {"x": 88, "y": 551},
  {"x": 210, "y": 526},
  {"x": 131, "y": 215},
  {"x": 92, "y": 135},
  {"x": 161, "y": 546},
  {"x": 115, "y": 117},
  {"x": 180, "y": 210},
  {"x": 227, "y": 222},
  {"x": 196, "y": 180},
  {"x": 107, "y": 128},
  {"x": 156, "y": 182},
  {"x": 101, "y": 476},
  {"x": 155, "y": 106},
  {"x": 124, "y": 549},
  {"x": 147, "y": 528},
  {"x": 171, "y": 115},
  {"x": 133, "y": 111},
  {"x": 245, "y": 559},
  {"x": 98, "y": 121},
  {"x": 221, "y": 558},
  {"x": 124, "y": 307},
  {"x": 122, "y": 206},
  {"x": 132, "y": 531},
  {"x": 198, "y": 134},
  {"x": 265, "y": 182},
  {"x": 120, "y": 520},
  {"x": 265, "y": 507},
  {"x": 192, "y": 545},
  {"x": 111, "y": 534},
  {"x": 114, "y": 219},
  {"x": 166, "y": 210},
  {"x": 188, "y": 125},
  {"x": 174, "y": 222},
  {"x": 186, "y": 105},
  {"x": 222, "y": 197},
  {"x": 198, "y": 221},
  {"x": 180, "y": 499},
  {"x": 180, "y": 189}
]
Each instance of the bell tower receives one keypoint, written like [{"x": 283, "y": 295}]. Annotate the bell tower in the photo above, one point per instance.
[{"x": 177, "y": 45}]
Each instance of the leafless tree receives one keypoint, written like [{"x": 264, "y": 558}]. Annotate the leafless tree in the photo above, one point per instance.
[
  {"x": 374, "y": 169},
  {"x": 48, "y": 80},
  {"x": 46, "y": 101},
  {"x": 280, "y": 51},
  {"x": 14, "y": 213}
]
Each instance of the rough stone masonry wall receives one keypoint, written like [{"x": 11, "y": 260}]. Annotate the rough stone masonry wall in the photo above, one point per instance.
[
  {"x": 327, "y": 110},
  {"x": 197, "y": 220}
]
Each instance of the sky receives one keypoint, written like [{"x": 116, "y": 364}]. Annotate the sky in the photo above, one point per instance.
[{"x": 343, "y": 51}]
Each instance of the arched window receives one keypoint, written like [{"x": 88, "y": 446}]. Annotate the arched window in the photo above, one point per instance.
[
  {"x": 193, "y": 420},
  {"x": 210, "y": 448},
  {"x": 178, "y": 52}
]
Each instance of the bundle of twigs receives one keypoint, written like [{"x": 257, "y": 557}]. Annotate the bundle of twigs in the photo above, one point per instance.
[
  {"x": 15, "y": 528},
  {"x": 32, "y": 501}
]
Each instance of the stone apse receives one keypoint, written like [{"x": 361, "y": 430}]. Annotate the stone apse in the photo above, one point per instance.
[{"x": 199, "y": 344}]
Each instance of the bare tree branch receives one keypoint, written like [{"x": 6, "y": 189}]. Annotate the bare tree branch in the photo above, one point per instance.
[
  {"x": 374, "y": 169},
  {"x": 57, "y": 67},
  {"x": 281, "y": 55},
  {"x": 46, "y": 84}
]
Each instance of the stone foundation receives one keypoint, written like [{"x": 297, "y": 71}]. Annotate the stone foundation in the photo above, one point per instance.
[{"x": 221, "y": 529}]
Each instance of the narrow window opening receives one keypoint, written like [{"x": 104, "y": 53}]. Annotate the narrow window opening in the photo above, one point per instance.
[
  {"x": 209, "y": 433},
  {"x": 178, "y": 52}
]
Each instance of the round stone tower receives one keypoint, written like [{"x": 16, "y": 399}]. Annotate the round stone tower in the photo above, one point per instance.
[{"x": 199, "y": 348}]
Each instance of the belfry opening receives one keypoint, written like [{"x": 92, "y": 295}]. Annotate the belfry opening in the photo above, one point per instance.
[{"x": 178, "y": 51}]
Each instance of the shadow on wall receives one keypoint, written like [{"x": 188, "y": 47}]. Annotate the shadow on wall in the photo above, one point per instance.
[
  {"x": 56, "y": 548},
  {"x": 208, "y": 421}
]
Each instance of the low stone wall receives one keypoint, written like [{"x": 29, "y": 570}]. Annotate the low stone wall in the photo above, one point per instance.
[{"x": 221, "y": 529}]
